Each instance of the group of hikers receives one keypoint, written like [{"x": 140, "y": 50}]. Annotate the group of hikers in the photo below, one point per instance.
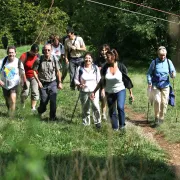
[{"x": 101, "y": 80}]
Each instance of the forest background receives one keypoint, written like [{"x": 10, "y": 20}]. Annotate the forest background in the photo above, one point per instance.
[{"x": 136, "y": 36}]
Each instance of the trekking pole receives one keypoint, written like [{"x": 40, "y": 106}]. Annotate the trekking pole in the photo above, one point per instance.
[
  {"x": 175, "y": 104},
  {"x": 148, "y": 113},
  {"x": 75, "y": 107}
]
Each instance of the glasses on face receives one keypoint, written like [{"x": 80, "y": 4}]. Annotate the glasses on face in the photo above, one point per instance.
[{"x": 47, "y": 50}]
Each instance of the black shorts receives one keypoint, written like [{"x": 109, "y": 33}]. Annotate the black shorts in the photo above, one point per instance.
[{"x": 7, "y": 92}]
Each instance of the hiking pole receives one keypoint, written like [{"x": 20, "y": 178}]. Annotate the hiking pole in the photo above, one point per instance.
[
  {"x": 175, "y": 104},
  {"x": 148, "y": 113},
  {"x": 75, "y": 107}
]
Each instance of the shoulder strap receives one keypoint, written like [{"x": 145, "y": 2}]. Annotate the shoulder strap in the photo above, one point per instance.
[
  {"x": 95, "y": 70},
  {"x": 168, "y": 65},
  {"x": 4, "y": 62},
  {"x": 40, "y": 62},
  {"x": 81, "y": 70},
  {"x": 74, "y": 41},
  {"x": 154, "y": 70},
  {"x": 19, "y": 63}
]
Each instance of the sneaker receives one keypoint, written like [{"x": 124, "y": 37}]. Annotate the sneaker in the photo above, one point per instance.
[
  {"x": 104, "y": 117},
  {"x": 156, "y": 123},
  {"x": 98, "y": 125},
  {"x": 122, "y": 130},
  {"x": 53, "y": 119}
]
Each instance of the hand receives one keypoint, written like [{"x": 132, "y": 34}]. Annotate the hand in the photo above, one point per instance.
[
  {"x": 73, "y": 47},
  {"x": 81, "y": 86},
  {"x": 102, "y": 93},
  {"x": 149, "y": 86},
  {"x": 67, "y": 61},
  {"x": 59, "y": 85},
  {"x": 132, "y": 97},
  {"x": 92, "y": 96},
  {"x": 25, "y": 86},
  {"x": 40, "y": 84},
  {"x": 1, "y": 83},
  {"x": 172, "y": 75}
]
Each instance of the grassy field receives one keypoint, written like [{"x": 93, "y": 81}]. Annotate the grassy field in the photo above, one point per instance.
[{"x": 31, "y": 148}]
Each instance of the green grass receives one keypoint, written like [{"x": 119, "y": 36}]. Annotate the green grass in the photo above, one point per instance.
[
  {"x": 170, "y": 127},
  {"x": 31, "y": 148}
]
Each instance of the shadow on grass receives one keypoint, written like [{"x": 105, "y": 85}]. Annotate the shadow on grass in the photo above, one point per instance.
[
  {"x": 142, "y": 123},
  {"x": 80, "y": 166}
]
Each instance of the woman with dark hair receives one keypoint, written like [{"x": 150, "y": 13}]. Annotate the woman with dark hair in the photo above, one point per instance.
[
  {"x": 28, "y": 59},
  {"x": 114, "y": 80},
  {"x": 100, "y": 61},
  {"x": 86, "y": 78}
]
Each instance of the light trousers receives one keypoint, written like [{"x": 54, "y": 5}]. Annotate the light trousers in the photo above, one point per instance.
[
  {"x": 160, "y": 102},
  {"x": 86, "y": 104}
]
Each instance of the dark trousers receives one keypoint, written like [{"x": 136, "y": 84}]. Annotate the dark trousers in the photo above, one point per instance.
[
  {"x": 73, "y": 64},
  {"x": 48, "y": 93}
]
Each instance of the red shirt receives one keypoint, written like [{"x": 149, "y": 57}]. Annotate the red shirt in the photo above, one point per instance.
[{"x": 28, "y": 64}]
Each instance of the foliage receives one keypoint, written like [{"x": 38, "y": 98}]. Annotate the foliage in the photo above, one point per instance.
[{"x": 25, "y": 21}]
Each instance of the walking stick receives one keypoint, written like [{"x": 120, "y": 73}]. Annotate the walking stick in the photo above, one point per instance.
[
  {"x": 148, "y": 113},
  {"x": 75, "y": 107},
  {"x": 175, "y": 104}
]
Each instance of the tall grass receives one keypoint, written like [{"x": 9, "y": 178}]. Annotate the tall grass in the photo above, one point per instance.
[{"x": 31, "y": 148}]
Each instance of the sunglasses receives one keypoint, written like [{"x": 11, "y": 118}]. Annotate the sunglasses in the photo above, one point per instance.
[{"x": 86, "y": 60}]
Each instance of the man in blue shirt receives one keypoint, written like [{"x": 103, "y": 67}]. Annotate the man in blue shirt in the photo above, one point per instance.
[{"x": 158, "y": 83}]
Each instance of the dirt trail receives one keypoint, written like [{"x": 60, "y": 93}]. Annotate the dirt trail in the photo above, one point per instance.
[{"x": 172, "y": 149}]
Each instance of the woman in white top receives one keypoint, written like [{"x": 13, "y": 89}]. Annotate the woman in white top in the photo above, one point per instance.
[
  {"x": 86, "y": 78},
  {"x": 113, "y": 79}
]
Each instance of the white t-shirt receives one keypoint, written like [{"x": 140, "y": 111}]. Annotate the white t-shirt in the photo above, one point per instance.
[
  {"x": 114, "y": 82},
  {"x": 58, "y": 51},
  {"x": 10, "y": 73}
]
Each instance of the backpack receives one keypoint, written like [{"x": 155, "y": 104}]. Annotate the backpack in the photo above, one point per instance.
[
  {"x": 127, "y": 81},
  {"x": 81, "y": 70},
  {"x": 160, "y": 81},
  {"x": 5, "y": 60}
]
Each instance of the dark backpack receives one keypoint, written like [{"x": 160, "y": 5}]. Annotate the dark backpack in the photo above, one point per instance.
[
  {"x": 5, "y": 60},
  {"x": 127, "y": 81}
]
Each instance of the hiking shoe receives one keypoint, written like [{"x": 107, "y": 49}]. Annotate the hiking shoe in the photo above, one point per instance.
[
  {"x": 34, "y": 111},
  {"x": 122, "y": 130},
  {"x": 98, "y": 125},
  {"x": 156, "y": 123},
  {"x": 104, "y": 117},
  {"x": 53, "y": 119}
]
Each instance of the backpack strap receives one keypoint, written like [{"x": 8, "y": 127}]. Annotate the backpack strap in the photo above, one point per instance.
[
  {"x": 168, "y": 66},
  {"x": 4, "y": 62},
  {"x": 81, "y": 70},
  {"x": 154, "y": 69}
]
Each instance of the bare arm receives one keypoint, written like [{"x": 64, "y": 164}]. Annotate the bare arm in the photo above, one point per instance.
[
  {"x": 59, "y": 85},
  {"x": 37, "y": 79}
]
